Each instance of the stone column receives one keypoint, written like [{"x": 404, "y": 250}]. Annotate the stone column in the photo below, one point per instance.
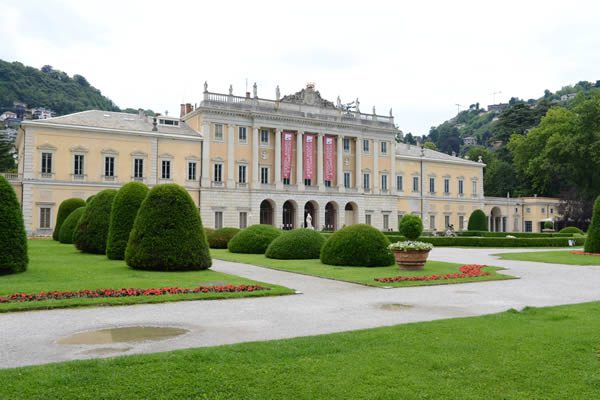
[
  {"x": 320, "y": 183},
  {"x": 205, "y": 180},
  {"x": 358, "y": 173},
  {"x": 340, "y": 162},
  {"x": 255, "y": 169},
  {"x": 299, "y": 169},
  {"x": 392, "y": 179},
  {"x": 376, "y": 174},
  {"x": 230, "y": 157},
  {"x": 278, "y": 181}
]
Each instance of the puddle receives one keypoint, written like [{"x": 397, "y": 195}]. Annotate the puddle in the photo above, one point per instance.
[
  {"x": 100, "y": 351},
  {"x": 130, "y": 334},
  {"x": 395, "y": 306},
  {"x": 465, "y": 292}
]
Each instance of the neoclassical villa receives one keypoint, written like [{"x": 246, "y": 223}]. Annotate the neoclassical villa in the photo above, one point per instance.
[{"x": 291, "y": 161}]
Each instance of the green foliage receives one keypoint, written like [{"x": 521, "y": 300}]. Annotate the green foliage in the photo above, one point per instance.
[
  {"x": 515, "y": 234},
  {"x": 89, "y": 199},
  {"x": 91, "y": 231},
  {"x": 548, "y": 225},
  {"x": 67, "y": 228},
  {"x": 462, "y": 241},
  {"x": 218, "y": 239},
  {"x": 13, "y": 239},
  {"x": 592, "y": 243},
  {"x": 477, "y": 221},
  {"x": 122, "y": 215},
  {"x": 64, "y": 210},
  {"x": 253, "y": 240},
  {"x": 572, "y": 229},
  {"x": 411, "y": 226},
  {"x": 7, "y": 158},
  {"x": 357, "y": 245},
  {"x": 297, "y": 244},
  {"x": 167, "y": 234},
  {"x": 430, "y": 145}
]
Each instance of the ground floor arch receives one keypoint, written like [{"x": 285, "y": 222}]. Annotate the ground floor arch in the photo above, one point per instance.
[
  {"x": 311, "y": 208},
  {"x": 351, "y": 213},
  {"x": 288, "y": 217},
  {"x": 497, "y": 223},
  {"x": 267, "y": 208},
  {"x": 331, "y": 216}
]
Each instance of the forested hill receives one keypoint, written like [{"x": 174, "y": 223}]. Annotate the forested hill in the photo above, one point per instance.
[{"x": 49, "y": 88}]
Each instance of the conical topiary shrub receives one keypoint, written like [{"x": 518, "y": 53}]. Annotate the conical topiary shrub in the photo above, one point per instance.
[
  {"x": 124, "y": 210},
  {"x": 64, "y": 210},
  {"x": 167, "y": 234},
  {"x": 477, "y": 221},
  {"x": 357, "y": 245},
  {"x": 68, "y": 227},
  {"x": 13, "y": 239},
  {"x": 91, "y": 231},
  {"x": 592, "y": 242}
]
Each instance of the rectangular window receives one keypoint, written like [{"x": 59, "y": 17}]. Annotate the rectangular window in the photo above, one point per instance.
[
  {"x": 461, "y": 187},
  {"x": 347, "y": 179},
  {"x": 191, "y": 175},
  {"x": 264, "y": 136},
  {"x": 165, "y": 169},
  {"x": 367, "y": 181},
  {"x": 286, "y": 181},
  {"x": 109, "y": 167},
  {"x": 78, "y": 165},
  {"x": 399, "y": 183},
  {"x": 138, "y": 168},
  {"x": 366, "y": 145},
  {"x": 384, "y": 186},
  {"x": 474, "y": 187},
  {"x": 528, "y": 226},
  {"x": 431, "y": 185},
  {"x": 242, "y": 135},
  {"x": 242, "y": 173},
  {"x": 543, "y": 210},
  {"x": 432, "y": 222},
  {"x": 307, "y": 182},
  {"x": 327, "y": 183},
  {"x": 218, "y": 219},
  {"x": 461, "y": 222},
  {"x": 446, "y": 221},
  {"x": 243, "y": 219},
  {"x": 528, "y": 210},
  {"x": 386, "y": 222},
  {"x": 218, "y": 173},
  {"x": 218, "y": 132},
  {"x": 383, "y": 147},
  {"x": 46, "y": 163},
  {"x": 552, "y": 211},
  {"x": 45, "y": 213},
  {"x": 368, "y": 219},
  {"x": 446, "y": 185},
  {"x": 415, "y": 183},
  {"x": 346, "y": 142},
  {"x": 264, "y": 175}
]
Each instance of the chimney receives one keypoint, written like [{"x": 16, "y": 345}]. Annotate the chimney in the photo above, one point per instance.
[
  {"x": 247, "y": 95},
  {"x": 154, "y": 127},
  {"x": 188, "y": 108},
  {"x": 182, "y": 110}
]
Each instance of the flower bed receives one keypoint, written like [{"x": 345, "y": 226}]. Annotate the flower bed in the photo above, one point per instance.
[
  {"x": 583, "y": 253},
  {"x": 466, "y": 271},
  {"x": 127, "y": 292}
]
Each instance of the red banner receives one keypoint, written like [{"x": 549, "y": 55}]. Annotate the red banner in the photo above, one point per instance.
[
  {"x": 328, "y": 153},
  {"x": 286, "y": 154},
  {"x": 309, "y": 145}
]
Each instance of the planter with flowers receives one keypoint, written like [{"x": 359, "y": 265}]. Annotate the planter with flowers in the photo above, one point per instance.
[{"x": 411, "y": 254}]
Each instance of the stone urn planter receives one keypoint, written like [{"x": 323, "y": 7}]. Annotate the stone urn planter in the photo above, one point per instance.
[{"x": 411, "y": 255}]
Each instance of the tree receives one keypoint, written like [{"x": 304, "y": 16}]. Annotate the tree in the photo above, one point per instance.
[
  {"x": 430, "y": 145},
  {"x": 91, "y": 231},
  {"x": 7, "y": 158},
  {"x": 409, "y": 138},
  {"x": 64, "y": 210},
  {"x": 575, "y": 209},
  {"x": 499, "y": 179},
  {"x": 477, "y": 221},
  {"x": 13, "y": 239},
  {"x": 592, "y": 242}
]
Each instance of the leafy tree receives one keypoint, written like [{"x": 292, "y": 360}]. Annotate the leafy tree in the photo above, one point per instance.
[
  {"x": 592, "y": 242},
  {"x": 499, "y": 179},
  {"x": 7, "y": 158},
  {"x": 575, "y": 208},
  {"x": 430, "y": 145},
  {"x": 410, "y": 139},
  {"x": 13, "y": 239}
]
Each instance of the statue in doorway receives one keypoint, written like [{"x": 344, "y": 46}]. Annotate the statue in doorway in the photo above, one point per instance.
[{"x": 309, "y": 224}]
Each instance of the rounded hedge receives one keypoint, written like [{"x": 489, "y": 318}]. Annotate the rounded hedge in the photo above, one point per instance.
[
  {"x": 64, "y": 210},
  {"x": 167, "y": 234},
  {"x": 13, "y": 239},
  {"x": 253, "y": 240},
  {"x": 592, "y": 242},
  {"x": 89, "y": 199},
  {"x": 357, "y": 245},
  {"x": 218, "y": 239},
  {"x": 68, "y": 227},
  {"x": 122, "y": 215},
  {"x": 297, "y": 244},
  {"x": 477, "y": 221},
  {"x": 411, "y": 226},
  {"x": 572, "y": 229},
  {"x": 91, "y": 231},
  {"x": 548, "y": 225}
]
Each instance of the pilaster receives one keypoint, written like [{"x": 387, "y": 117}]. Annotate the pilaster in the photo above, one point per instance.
[
  {"x": 278, "y": 181},
  {"x": 376, "y": 174},
  {"x": 255, "y": 168},
  {"x": 358, "y": 178},
  {"x": 320, "y": 183},
  {"x": 340, "y": 163},
  {"x": 230, "y": 157},
  {"x": 299, "y": 161},
  {"x": 205, "y": 180}
]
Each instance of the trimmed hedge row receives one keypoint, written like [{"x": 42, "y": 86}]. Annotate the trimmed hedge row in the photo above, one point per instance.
[
  {"x": 68, "y": 226},
  {"x": 495, "y": 242},
  {"x": 515, "y": 234},
  {"x": 64, "y": 210},
  {"x": 297, "y": 244}
]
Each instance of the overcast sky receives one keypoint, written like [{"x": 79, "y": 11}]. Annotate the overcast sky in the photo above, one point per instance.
[{"x": 419, "y": 58}]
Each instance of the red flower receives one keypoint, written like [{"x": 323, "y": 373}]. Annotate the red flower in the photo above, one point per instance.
[{"x": 467, "y": 271}]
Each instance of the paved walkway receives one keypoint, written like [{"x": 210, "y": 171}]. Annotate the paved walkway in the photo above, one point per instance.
[{"x": 324, "y": 306}]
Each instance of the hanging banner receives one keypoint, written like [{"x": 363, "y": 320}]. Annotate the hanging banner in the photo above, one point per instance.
[
  {"x": 309, "y": 145},
  {"x": 286, "y": 154},
  {"x": 328, "y": 152}
]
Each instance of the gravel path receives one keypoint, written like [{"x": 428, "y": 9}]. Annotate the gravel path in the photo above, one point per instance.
[{"x": 324, "y": 306}]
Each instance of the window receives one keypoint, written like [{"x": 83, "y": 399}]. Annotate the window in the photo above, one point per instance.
[
  {"x": 384, "y": 186},
  {"x": 138, "y": 168},
  {"x": 218, "y": 132},
  {"x": 432, "y": 222},
  {"x": 242, "y": 134},
  {"x": 347, "y": 180},
  {"x": 399, "y": 183},
  {"x": 45, "y": 213},
  {"x": 552, "y": 211},
  {"x": 415, "y": 183},
  {"x": 368, "y": 219},
  {"x": 431, "y": 185},
  {"x": 327, "y": 183},
  {"x": 346, "y": 142},
  {"x": 286, "y": 181},
  {"x": 383, "y": 147},
  {"x": 264, "y": 136},
  {"x": 474, "y": 188},
  {"x": 165, "y": 169},
  {"x": 366, "y": 145},
  {"x": 307, "y": 182},
  {"x": 528, "y": 226},
  {"x": 461, "y": 187},
  {"x": 264, "y": 175},
  {"x": 386, "y": 222},
  {"x": 168, "y": 122},
  {"x": 243, "y": 219},
  {"x": 191, "y": 173},
  {"x": 218, "y": 173},
  {"x": 446, "y": 221},
  {"x": 399, "y": 219},
  {"x": 218, "y": 219},
  {"x": 461, "y": 222},
  {"x": 78, "y": 165},
  {"x": 528, "y": 210},
  {"x": 543, "y": 210},
  {"x": 242, "y": 173},
  {"x": 446, "y": 185},
  {"x": 109, "y": 167},
  {"x": 46, "y": 163},
  {"x": 366, "y": 181}
]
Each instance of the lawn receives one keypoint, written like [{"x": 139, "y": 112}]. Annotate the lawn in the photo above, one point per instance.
[
  {"x": 60, "y": 267},
  {"x": 553, "y": 257},
  {"x": 533, "y": 354},
  {"x": 361, "y": 275}
]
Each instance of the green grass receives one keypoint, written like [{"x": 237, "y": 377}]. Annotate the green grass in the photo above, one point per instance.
[
  {"x": 55, "y": 266},
  {"x": 534, "y": 354},
  {"x": 361, "y": 275},
  {"x": 552, "y": 257}
]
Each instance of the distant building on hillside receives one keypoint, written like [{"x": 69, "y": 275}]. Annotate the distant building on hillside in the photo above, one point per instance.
[
  {"x": 6, "y": 115},
  {"x": 568, "y": 96},
  {"x": 497, "y": 107},
  {"x": 41, "y": 113},
  {"x": 470, "y": 141}
]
